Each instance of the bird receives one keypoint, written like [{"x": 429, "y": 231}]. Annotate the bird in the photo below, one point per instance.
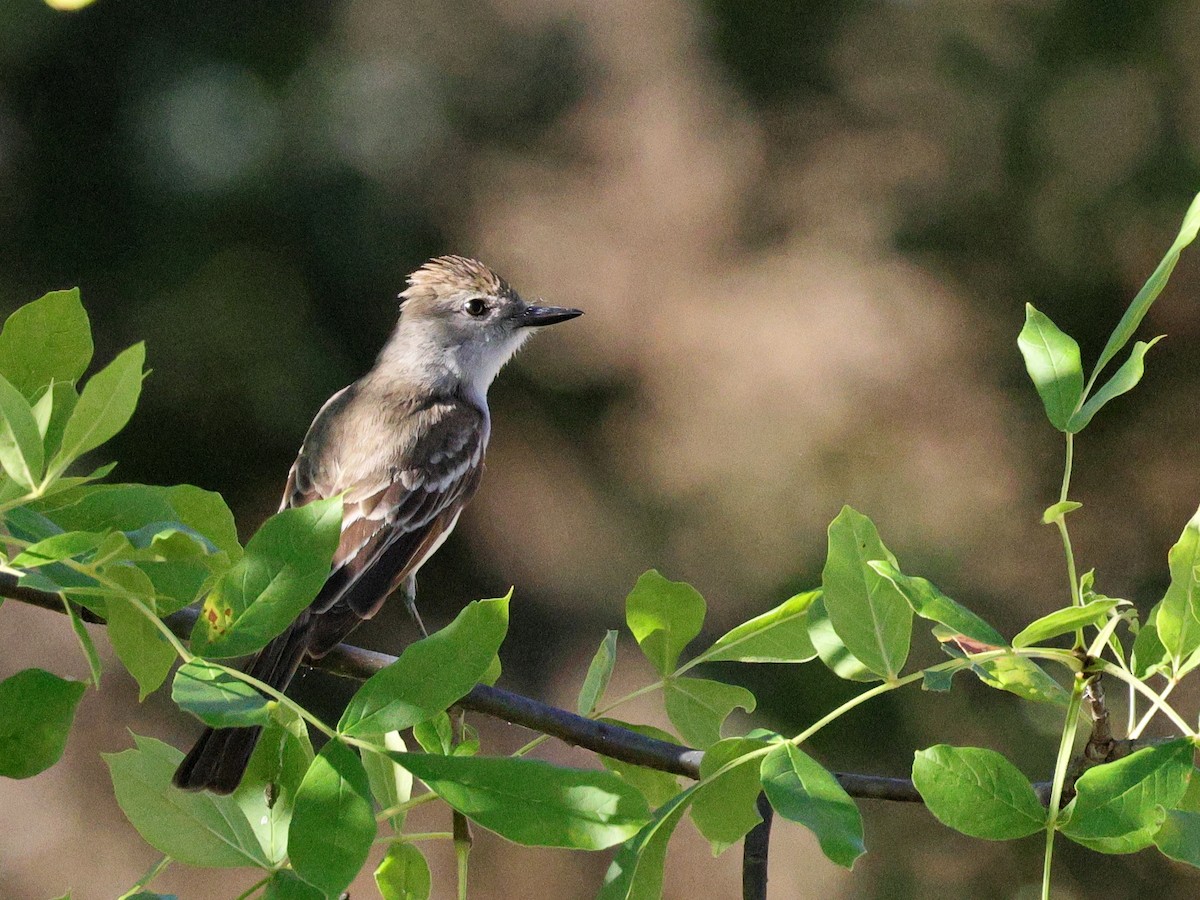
[{"x": 404, "y": 446}]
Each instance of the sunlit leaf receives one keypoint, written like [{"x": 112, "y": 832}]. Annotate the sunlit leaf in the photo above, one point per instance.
[
  {"x": 804, "y": 791},
  {"x": 1151, "y": 289},
  {"x": 725, "y": 807},
  {"x": 698, "y": 707},
  {"x": 978, "y": 792},
  {"x": 1119, "y": 806},
  {"x": 599, "y": 672},
  {"x": 105, "y": 406},
  {"x": 1178, "y": 619},
  {"x": 778, "y": 635},
  {"x": 636, "y": 872},
  {"x": 217, "y": 698},
  {"x": 267, "y": 792},
  {"x": 390, "y": 784},
  {"x": 931, "y": 604},
  {"x": 664, "y": 616},
  {"x": 285, "y": 565},
  {"x": 1125, "y": 379},
  {"x": 137, "y": 641},
  {"x": 20, "y": 441},
  {"x": 332, "y": 824},
  {"x": 431, "y": 674},
  {"x": 196, "y": 828},
  {"x": 868, "y": 613},
  {"x": 403, "y": 874},
  {"x": 1063, "y": 621},
  {"x": 532, "y": 802},
  {"x": 1052, "y": 360},
  {"x": 47, "y": 340},
  {"x": 830, "y": 648}
]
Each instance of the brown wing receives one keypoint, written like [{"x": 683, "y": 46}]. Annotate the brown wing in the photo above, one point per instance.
[{"x": 401, "y": 495}]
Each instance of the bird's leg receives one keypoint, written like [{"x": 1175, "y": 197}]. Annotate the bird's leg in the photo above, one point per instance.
[{"x": 409, "y": 589}]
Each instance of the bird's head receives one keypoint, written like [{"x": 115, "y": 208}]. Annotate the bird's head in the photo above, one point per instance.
[{"x": 458, "y": 313}]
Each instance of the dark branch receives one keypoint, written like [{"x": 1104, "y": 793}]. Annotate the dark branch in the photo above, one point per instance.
[
  {"x": 754, "y": 853},
  {"x": 599, "y": 737}
]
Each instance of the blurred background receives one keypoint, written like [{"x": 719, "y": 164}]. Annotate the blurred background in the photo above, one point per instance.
[{"x": 803, "y": 231}]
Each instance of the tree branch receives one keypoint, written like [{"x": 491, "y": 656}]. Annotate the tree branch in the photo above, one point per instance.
[
  {"x": 754, "y": 853},
  {"x": 600, "y": 737}
]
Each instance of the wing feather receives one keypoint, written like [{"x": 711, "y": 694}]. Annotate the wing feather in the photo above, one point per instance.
[{"x": 400, "y": 495}]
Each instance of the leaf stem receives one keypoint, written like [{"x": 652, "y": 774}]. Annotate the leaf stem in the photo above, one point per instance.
[
  {"x": 153, "y": 872},
  {"x": 406, "y": 806},
  {"x": 657, "y": 685},
  {"x": 1060, "y": 776},
  {"x": 1146, "y": 691},
  {"x": 253, "y": 889},
  {"x": 1155, "y": 706},
  {"x": 1061, "y": 521}
]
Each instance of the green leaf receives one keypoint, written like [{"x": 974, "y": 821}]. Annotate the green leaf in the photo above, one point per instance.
[
  {"x": 68, "y": 545},
  {"x": 197, "y": 829},
  {"x": 287, "y": 885},
  {"x": 931, "y": 604},
  {"x": 390, "y": 784},
  {"x": 62, "y": 398},
  {"x": 47, "y": 340},
  {"x": 830, "y": 648},
  {"x": 1179, "y": 616},
  {"x": 436, "y": 735},
  {"x": 725, "y": 807},
  {"x": 105, "y": 406},
  {"x": 403, "y": 874},
  {"x": 1149, "y": 655},
  {"x": 1056, "y": 511},
  {"x": 1125, "y": 379},
  {"x": 332, "y": 824},
  {"x": 1118, "y": 806},
  {"x": 779, "y": 635},
  {"x": 867, "y": 611},
  {"x": 599, "y": 672},
  {"x": 1151, "y": 289},
  {"x": 1022, "y": 677},
  {"x": 656, "y": 786},
  {"x": 36, "y": 712},
  {"x": 137, "y": 641},
  {"x": 218, "y": 699},
  {"x": 1064, "y": 621},
  {"x": 20, "y": 440},
  {"x": 267, "y": 793},
  {"x": 431, "y": 674},
  {"x": 698, "y": 707},
  {"x": 85, "y": 642},
  {"x": 664, "y": 616},
  {"x": 284, "y": 567},
  {"x": 130, "y": 507},
  {"x": 636, "y": 872},
  {"x": 1179, "y": 837},
  {"x": 1052, "y": 360},
  {"x": 532, "y": 802},
  {"x": 804, "y": 791},
  {"x": 977, "y": 792}
]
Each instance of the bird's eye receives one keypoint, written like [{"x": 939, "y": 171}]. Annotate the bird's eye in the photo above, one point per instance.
[{"x": 475, "y": 306}]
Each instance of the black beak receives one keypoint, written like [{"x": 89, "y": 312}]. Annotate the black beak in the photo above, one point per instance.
[{"x": 537, "y": 316}]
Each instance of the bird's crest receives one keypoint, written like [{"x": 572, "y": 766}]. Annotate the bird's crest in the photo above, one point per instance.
[{"x": 453, "y": 274}]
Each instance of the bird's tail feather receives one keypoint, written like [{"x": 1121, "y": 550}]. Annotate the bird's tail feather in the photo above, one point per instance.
[{"x": 219, "y": 758}]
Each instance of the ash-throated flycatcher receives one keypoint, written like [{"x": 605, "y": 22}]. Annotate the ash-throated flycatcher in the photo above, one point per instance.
[{"x": 405, "y": 445}]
